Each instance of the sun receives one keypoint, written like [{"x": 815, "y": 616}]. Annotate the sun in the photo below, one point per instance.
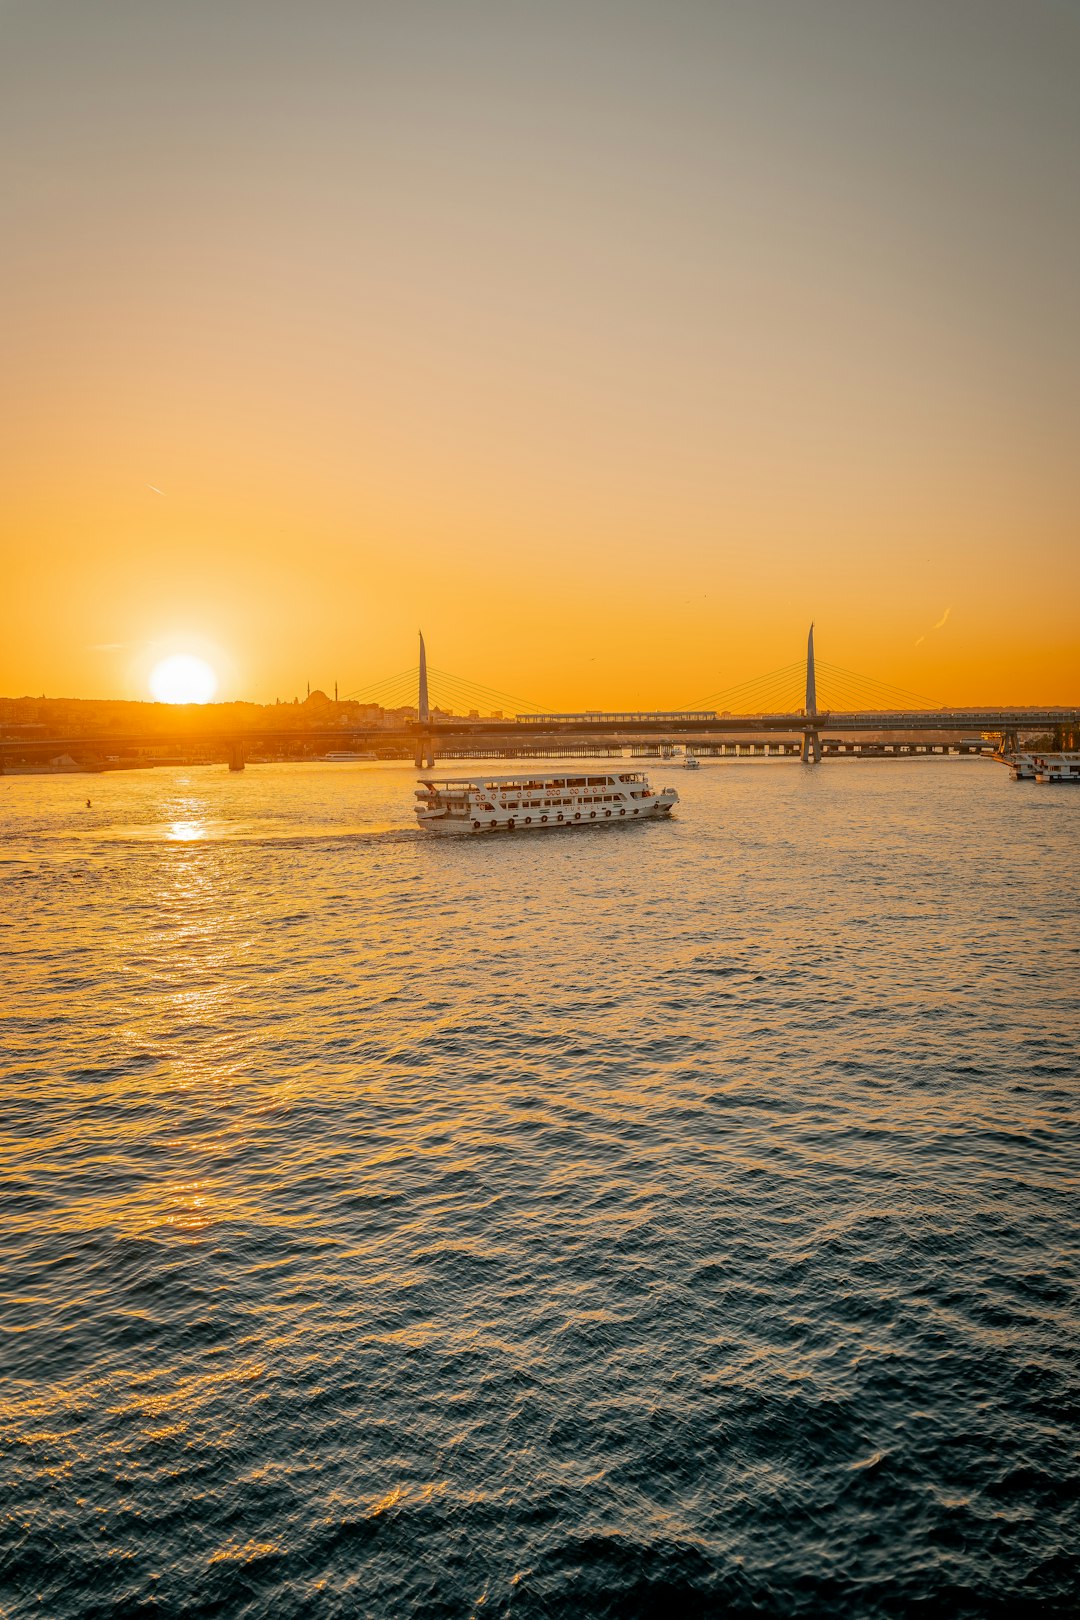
[{"x": 183, "y": 679}]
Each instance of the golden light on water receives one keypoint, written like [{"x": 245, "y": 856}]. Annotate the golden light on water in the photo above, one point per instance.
[
  {"x": 186, "y": 832},
  {"x": 183, "y": 678}
]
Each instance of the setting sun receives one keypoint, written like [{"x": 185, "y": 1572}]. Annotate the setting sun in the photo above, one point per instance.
[{"x": 183, "y": 679}]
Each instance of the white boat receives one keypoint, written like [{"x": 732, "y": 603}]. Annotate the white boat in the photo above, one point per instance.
[
  {"x": 1057, "y": 768},
  {"x": 1064, "y": 767},
  {"x": 527, "y": 802},
  {"x": 344, "y": 754},
  {"x": 691, "y": 762}
]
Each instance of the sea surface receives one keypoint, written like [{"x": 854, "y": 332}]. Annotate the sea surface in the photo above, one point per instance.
[{"x": 674, "y": 1219}]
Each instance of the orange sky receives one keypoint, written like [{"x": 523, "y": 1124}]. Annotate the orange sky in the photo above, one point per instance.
[{"x": 611, "y": 343}]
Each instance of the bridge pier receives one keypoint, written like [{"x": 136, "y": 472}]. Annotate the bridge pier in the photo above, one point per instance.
[
  {"x": 811, "y": 748},
  {"x": 236, "y": 756},
  {"x": 424, "y": 754}
]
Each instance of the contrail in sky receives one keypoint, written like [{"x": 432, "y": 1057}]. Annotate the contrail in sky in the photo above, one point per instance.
[
  {"x": 155, "y": 489},
  {"x": 934, "y": 627}
]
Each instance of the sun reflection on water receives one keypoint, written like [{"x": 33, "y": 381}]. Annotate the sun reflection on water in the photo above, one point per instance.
[{"x": 186, "y": 832}]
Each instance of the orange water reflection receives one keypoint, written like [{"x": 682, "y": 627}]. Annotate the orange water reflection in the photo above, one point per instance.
[{"x": 186, "y": 832}]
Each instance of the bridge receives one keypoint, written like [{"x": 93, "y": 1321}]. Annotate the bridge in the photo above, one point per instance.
[
  {"x": 734, "y": 721},
  {"x": 803, "y": 729}
]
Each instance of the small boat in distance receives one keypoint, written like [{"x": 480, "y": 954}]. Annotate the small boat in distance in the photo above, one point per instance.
[
  {"x": 691, "y": 762},
  {"x": 476, "y": 804},
  {"x": 345, "y": 754}
]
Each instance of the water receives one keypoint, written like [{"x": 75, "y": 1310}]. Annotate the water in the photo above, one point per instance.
[{"x": 674, "y": 1219}]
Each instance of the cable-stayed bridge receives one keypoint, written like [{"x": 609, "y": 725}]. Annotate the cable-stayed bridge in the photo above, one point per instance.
[
  {"x": 437, "y": 694},
  {"x": 800, "y": 703},
  {"x": 808, "y": 708}
]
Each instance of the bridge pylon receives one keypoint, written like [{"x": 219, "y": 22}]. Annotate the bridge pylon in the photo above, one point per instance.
[
  {"x": 425, "y": 744},
  {"x": 810, "y": 753},
  {"x": 423, "y": 707}
]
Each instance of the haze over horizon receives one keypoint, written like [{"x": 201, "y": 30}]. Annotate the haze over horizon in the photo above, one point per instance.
[{"x": 611, "y": 343}]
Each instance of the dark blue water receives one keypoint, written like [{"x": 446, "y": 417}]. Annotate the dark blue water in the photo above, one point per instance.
[{"x": 656, "y": 1220}]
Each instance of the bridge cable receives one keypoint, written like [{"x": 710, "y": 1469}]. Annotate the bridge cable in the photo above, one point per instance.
[{"x": 745, "y": 689}]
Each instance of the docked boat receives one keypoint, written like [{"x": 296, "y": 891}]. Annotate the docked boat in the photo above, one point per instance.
[
  {"x": 527, "y": 802},
  {"x": 1063, "y": 767},
  {"x": 1057, "y": 768}
]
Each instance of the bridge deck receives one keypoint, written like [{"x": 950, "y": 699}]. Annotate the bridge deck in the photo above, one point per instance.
[{"x": 562, "y": 730}]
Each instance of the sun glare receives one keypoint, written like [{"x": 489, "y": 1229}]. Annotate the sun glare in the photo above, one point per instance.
[{"x": 183, "y": 679}]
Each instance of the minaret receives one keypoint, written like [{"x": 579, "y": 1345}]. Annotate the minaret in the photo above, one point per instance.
[
  {"x": 811, "y": 681},
  {"x": 335, "y": 691},
  {"x": 423, "y": 708}
]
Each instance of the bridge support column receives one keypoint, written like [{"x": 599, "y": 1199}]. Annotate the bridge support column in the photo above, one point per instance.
[
  {"x": 236, "y": 756},
  {"x": 424, "y": 755},
  {"x": 811, "y": 748}
]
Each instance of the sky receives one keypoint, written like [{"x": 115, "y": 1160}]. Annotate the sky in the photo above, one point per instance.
[{"x": 609, "y": 343}]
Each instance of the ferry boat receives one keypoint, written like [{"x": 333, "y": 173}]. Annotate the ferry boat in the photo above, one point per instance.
[
  {"x": 691, "y": 762},
  {"x": 1064, "y": 767},
  {"x": 480, "y": 804},
  {"x": 1057, "y": 768}
]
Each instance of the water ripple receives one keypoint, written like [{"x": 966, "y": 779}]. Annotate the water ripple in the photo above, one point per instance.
[{"x": 677, "y": 1220}]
